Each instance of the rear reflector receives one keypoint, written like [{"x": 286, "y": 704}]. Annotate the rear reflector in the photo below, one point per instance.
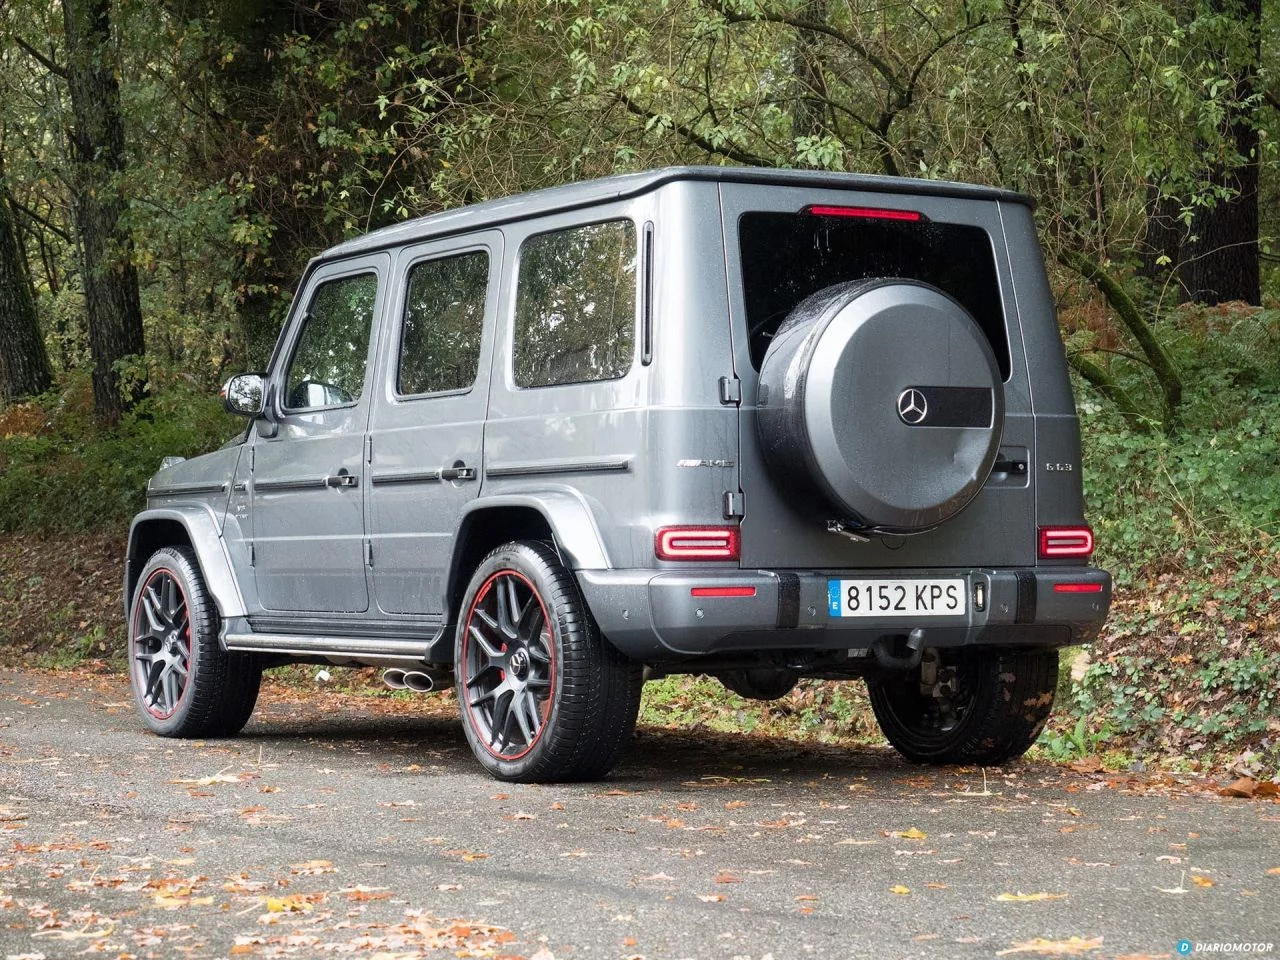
[
  {"x": 1077, "y": 588},
  {"x": 1066, "y": 541},
  {"x": 866, "y": 213},
  {"x": 697, "y": 543},
  {"x": 722, "y": 592}
]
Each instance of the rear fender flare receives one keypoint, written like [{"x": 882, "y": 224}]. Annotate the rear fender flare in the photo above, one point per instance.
[
  {"x": 153, "y": 529},
  {"x": 572, "y": 523}
]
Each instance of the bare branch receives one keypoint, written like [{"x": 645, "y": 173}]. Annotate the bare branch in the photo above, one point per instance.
[
  {"x": 695, "y": 138},
  {"x": 46, "y": 62}
]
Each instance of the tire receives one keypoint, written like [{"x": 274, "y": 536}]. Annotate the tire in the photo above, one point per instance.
[
  {"x": 184, "y": 683},
  {"x": 880, "y": 404},
  {"x": 544, "y": 698},
  {"x": 998, "y": 703}
]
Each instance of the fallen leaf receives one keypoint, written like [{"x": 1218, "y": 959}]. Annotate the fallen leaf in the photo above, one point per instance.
[
  {"x": 1029, "y": 897},
  {"x": 1274, "y": 871},
  {"x": 365, "y": 894},
  {"x": 736, "y": 804},
  {"x": 1087, "y": 765},
  {"x": 211, "y": 780},
  {"x": 711, "y": 897},
  {"x": 724, "y": 876},
  {"x": 1071, "y": 947},
  {"x": 1200, "y": 881},
  {"x": 312, "y": 868},
  {"x": 900, "y": 890},
  {"x": 808, "y": 897},
  {"x": 1244, "y": 787},
  {"x": 911, "y": 834}
]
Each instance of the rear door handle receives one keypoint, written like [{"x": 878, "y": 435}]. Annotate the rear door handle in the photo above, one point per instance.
[
  {"x": 458, "y": 472},
  {"x": 342, "y": 480}
]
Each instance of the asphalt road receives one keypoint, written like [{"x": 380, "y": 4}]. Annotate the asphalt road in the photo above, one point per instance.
[{"x": 356, "y": 826}]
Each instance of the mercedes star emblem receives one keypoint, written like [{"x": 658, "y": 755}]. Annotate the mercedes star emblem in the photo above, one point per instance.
[{"x": 912, "y": 406}]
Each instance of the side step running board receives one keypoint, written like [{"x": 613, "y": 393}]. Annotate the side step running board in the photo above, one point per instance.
[{"x": 381, "y": 648}]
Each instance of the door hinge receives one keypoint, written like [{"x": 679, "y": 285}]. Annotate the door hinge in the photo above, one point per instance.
[
  {"x": 253, "y": 451},
  {"x": 368, "y": 553},
  {"x": 730, "y": 391},
  {"x": 253, "y": 554},
  {"x": 732, "y": 504},
  {"x": 368, "y": 448}
]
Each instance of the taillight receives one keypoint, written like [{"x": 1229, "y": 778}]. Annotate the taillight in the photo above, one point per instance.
[
  {"x": 865, "y": 213},
  {"x": 1066, "y": 541},
  {"x": 697, "y": 543},
  {"x": 1077, "y": 588}
]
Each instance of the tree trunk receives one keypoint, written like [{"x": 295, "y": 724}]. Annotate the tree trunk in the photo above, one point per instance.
[
  {"x": 24, "y": 364},
  {"x": 808, "y": 115},
  {"x": 1222, "y": 263},
  {"x": 98, "y": 205}
]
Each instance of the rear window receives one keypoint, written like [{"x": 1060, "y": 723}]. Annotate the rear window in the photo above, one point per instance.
[{"x": 788, "y": 256}]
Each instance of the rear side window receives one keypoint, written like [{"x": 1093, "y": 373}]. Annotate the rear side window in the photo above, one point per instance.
[
  {"x": 443, "y": 323},
  {"x": 576, "y": 305},
  {"x": 788, "y": 256}
]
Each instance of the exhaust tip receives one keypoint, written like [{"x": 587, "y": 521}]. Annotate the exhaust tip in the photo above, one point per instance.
[
  {"x": 394, "y": 678},
  {"x": 419, "y": 682}
]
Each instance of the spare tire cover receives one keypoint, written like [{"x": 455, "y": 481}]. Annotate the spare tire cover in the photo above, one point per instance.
[{"x": 880, "y": 405}]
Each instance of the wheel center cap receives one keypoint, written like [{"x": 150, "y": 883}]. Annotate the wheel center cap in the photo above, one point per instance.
[{"x": 520, "y": 663}]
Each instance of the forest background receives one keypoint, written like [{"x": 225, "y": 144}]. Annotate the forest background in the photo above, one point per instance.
[{"x": 167, "y": 168}]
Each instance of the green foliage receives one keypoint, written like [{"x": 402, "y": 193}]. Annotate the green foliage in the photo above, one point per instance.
[{"x": 60, "y": 474}]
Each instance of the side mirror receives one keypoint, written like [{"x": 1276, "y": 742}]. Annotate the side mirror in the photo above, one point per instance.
[{"x": 243, "y": 394}]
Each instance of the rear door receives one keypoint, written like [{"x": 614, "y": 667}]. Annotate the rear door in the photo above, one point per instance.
[
  {"x": 778, "y": 254},
  {"x": 426, "y": 436}
]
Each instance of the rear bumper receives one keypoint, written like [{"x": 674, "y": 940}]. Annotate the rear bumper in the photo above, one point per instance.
[{"x": 655, "y": 616}]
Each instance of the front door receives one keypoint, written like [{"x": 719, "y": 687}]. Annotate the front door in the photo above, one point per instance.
[
  {"x": 308, "y": 479},
  {"x": 427, "y": 431}
]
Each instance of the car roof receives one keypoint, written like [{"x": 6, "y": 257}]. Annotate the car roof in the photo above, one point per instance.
[{"x": 572, "y": 196}]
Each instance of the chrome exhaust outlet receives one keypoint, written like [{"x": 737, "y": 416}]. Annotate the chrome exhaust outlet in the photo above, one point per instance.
[
  {"x": 395, "y": 678},
  {"x": 418, "y": 681}
]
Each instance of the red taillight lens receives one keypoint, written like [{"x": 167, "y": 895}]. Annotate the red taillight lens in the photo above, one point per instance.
[
  {"x": 1066, "y": 541},
  {"x": 697, "y": 543},
  {"x": 866, "y": 213},
  {"x": 1077, "y": 588},
  {"x": 722, "y": 591}
]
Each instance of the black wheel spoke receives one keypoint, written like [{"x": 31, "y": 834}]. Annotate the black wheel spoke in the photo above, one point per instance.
[
  {"x": 152, "y": 607},
  {"x": 498, "y": 725},
  {"x": 490, "y": 651},
  {"x": 521, "y": 704}
]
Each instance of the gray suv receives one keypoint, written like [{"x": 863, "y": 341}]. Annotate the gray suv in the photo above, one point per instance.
[{"x": 755, "y": 424}]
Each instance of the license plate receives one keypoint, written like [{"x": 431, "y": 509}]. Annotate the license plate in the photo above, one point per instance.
[{"x": 897, "y": 598}]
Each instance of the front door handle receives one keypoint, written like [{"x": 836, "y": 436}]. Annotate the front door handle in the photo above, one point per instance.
[
  {"x": 342, "y": 479},
  {"x": 459, "y": 471}
]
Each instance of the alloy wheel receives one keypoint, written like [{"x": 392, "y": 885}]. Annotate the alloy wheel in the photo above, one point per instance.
[
  {"x": 161, "y": 644},
  {"x": 508, "y": 665}
]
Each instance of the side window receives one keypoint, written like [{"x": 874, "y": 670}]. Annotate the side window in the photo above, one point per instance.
[
  {"x": 328, "y": 363},
  {"x": 576, "y": 305},
  {"x": 443, "y": 321}
]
